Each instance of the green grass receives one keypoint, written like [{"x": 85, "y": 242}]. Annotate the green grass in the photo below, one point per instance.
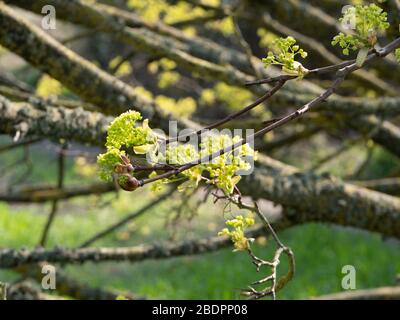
[{"x": 321, "y": 252}]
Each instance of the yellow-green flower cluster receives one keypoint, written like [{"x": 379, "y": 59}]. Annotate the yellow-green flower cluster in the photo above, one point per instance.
[
  {"x": 285, "y": 57},
  {"x": 237, "y": 232},
  {"x": 369, "y": 21},
  {"x": 107, "y": 162},
  {"x": 221, "y": 171},
  {"x": 123, "y": 134}
]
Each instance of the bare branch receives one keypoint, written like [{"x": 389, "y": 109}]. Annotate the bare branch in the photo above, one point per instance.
[
  {"x": 39, "y": 194},
  {"x": 276, "y": 284},
  {"x": 383, "y": 293},
  {"x": 126, "y": 219},
  {"x": 384, "y": 185},
  {"x": 10, "y": 258}
]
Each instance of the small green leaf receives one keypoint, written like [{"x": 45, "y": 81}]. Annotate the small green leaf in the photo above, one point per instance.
[
  {"x": 361, "y": 56},
  {"x": 143, "y": 149}
]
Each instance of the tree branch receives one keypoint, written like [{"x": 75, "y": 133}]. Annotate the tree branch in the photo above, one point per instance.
[
  {"x": 44, "y": 194},
  {"x": 383, "y": 293},
  {"x": 10, "y": 258}
]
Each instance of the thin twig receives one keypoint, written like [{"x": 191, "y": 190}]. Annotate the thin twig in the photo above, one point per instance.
[
  {"x": 54, "y": 205},
  {"x": 346, "y": 68},
  {"x": 126, "y": 220},
  {"x": 276, "y": 284},
  {"x": 232, "y": 116},
  {"x": 242, "y": 41},
  {"x": 17, "y": 144},
  {"x": 316, "y": 71}
]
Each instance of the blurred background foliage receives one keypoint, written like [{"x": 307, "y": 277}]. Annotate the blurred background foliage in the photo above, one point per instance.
[{"x": 321, "y": 250}]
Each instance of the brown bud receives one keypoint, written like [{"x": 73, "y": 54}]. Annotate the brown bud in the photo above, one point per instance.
[
  {"x": 128, "y": 182},
  {"x": 125, "y": 160},
  {"x": 122, "y": 168},
  {"x": 372, "y": 39}
]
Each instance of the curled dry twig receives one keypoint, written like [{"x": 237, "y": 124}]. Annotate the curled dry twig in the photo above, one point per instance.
[{"x": 275, "y": 283}]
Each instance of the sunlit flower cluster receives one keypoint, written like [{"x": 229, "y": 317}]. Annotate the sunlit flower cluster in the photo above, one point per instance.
[{"x": 237, "y": 232}]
